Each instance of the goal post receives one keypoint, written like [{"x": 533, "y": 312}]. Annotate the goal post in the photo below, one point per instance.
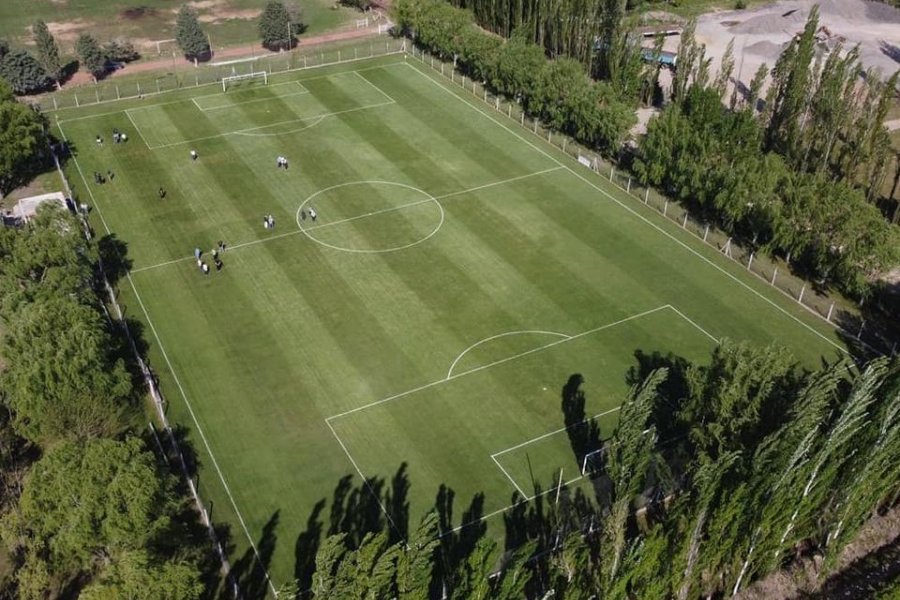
[
  {"x": 593, "y": 462},
  {"x": 230, "y": 80}
]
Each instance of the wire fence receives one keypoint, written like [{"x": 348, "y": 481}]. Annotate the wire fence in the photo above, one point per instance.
[
  {"x": 185, "y": 76},
  {"x": 836, "y": 310}
]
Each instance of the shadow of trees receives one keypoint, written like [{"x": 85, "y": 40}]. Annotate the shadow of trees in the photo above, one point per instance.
[{"x": 584, "y": 433}]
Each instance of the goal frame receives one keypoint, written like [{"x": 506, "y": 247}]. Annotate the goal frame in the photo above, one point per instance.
[{"x": 252, "y": 75}]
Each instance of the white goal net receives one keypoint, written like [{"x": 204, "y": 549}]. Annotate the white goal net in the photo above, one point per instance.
[{"x": 240, "y": 80}]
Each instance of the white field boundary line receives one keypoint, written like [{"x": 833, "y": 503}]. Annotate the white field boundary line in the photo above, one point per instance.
[
  {"x": 378, "y": 89},
  {"x": 177, "y": 382},
  {"x": 257, "y": 128},
  {"x": 511, "y": 480},
  {"x": 184, "y": 101},
  {"x": 357, "y": 217},
  {"x": 366, "y": 482},
  {"x": 635, "y": 213},
  {"x": 133, "y": 124},
  {"x": 219, "y": 81}
]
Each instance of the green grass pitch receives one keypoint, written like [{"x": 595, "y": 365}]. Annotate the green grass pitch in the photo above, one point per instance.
[{"x": 459, "y": 272}]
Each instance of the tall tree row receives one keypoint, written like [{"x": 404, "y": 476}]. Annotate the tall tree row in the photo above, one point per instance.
[
  {"x": 86, "y": 507},
  {"x": 761, "y": 461},
  {"x": 558, "y": 92}
]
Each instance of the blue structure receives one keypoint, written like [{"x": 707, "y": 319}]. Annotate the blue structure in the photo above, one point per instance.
[{"x": 666, "y": 59}]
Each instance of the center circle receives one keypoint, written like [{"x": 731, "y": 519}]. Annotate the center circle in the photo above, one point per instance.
[{"x": 370, "y": 216}]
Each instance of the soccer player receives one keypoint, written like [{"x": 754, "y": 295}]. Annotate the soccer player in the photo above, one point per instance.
[
  {"x": 312, "y": 214},
  {"x": 162, "y": 193},
  {"x": 193, "y": 155}
]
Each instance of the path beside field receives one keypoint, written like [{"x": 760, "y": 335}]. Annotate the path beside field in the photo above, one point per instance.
[{"x": 83, "y": 78}]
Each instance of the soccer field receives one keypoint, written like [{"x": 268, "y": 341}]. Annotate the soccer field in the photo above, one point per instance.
[{"x": 419, "y": 332}]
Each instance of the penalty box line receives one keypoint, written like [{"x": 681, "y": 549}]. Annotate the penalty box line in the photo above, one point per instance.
[
  {"x": 357, "y": 217},
  {"x": 525, "y": 497}
]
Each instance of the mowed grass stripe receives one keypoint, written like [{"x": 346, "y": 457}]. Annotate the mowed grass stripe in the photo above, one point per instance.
[{"x": 467, "y": 150}]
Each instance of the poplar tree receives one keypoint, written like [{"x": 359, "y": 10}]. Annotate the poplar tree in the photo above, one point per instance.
[
  {"x": 276, "y": 27},
  {"x": 47, "y": 50},
  {"x": 189, "y": 36},
  {"x": 91, "y": 56}
]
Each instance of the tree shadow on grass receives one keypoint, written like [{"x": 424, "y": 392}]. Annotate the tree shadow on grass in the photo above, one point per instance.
[
  {"x": 114, "y": 255},
  {"x": 250, "y": 571},
  {"x": 456, "y": 543},
  {"x": 583, "y": 432}
]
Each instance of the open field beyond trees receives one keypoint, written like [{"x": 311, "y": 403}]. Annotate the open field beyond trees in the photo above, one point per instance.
[
  {"x": 228, "y": 22},
  {"x": 419, "y": 333}
]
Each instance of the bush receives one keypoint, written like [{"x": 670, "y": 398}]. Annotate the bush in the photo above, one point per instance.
[
  {"x": 120, "y": 51},
  {"x": 23, "y": 72}
]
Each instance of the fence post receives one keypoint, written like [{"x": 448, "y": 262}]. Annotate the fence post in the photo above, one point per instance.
[
  {"x": 800, "y": 297},
  {"x": 485, "y": 95},
  {"x": 76, "y": 99},
  {"x": 497, "y": 103},
  {"x": 549, "y": 133},
  {"x": 647, "y": 196},
  {"x": 442, "y": 68},
  {"x": 139, "y": 88},
  {"x": 706, "y": 233},
  {"x": 612, "y": 172},
  {"x": 522, "y": 120},
  {"x": 628, "y": 189},
  {"x": 535, "y": 126},
  {"x": 684, "y": 223},
  {"x": 750, "y": 262},
  {"x": 565, "y": 143},
  {"x": 830, "y": 310},
  {"x": 432, "y": 63},
  {"x": 774, "y": 275},
  {"x": 509, "y": 111},
  {"x": 666, "y": 207},
  {"x": 118, "y": 97}
]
